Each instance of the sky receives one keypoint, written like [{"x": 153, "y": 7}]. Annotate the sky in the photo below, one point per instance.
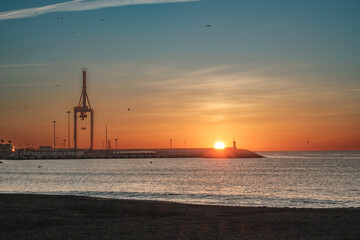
[{"x": 273, "y": 75}]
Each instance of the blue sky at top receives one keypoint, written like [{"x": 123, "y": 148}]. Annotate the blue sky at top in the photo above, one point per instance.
[{"x": 320, "y": 31}]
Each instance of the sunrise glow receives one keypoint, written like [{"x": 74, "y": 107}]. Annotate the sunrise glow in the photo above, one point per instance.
[{"x": 219, "y": 145}]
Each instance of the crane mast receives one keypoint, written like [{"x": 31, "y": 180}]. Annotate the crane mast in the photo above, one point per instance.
[{"x": 83, "y": 109}]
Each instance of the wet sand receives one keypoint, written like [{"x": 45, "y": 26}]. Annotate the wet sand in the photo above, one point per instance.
[{"x": 68, "y": 217}]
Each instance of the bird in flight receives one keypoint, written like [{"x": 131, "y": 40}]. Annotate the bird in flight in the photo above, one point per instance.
[
  {"x": 209, "y": 26},
  {"x": 101, "y": 20},
  {"x": 129, "y": 109}
]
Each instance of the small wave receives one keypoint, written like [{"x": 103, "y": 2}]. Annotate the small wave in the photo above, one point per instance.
[{"x": 210, "y": 199}]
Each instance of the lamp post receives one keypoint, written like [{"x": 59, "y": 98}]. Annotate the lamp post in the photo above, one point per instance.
[
  {"x": 116, "y": 143},
  {"x": 68, "y": 112},
  {"x": 54, "y": 134}
]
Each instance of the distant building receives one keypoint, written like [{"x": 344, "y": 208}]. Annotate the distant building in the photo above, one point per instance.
[
  {"x": 45, "y": 148},
  {"x": 5, "y": 150}
]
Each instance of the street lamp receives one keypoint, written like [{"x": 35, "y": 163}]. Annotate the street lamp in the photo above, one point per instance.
[
  {"x": 116, "y": 143},
  {"x": 54, "y": 135},
  {"x": 68, "y": 112}
]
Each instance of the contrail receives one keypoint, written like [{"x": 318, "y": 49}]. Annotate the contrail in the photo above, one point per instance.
[{"x": 79, "y": 5}]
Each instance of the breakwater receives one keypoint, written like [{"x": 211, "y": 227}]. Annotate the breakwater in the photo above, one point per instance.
[{"x": 130, "y": 153}]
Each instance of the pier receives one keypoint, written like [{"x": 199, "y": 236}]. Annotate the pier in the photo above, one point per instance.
[{"x": 41, "y": 153}]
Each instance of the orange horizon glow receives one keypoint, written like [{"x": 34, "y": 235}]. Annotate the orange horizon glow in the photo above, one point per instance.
[
  {"x": 133, "y": 132},
  {"x": 198, "y": 138}
]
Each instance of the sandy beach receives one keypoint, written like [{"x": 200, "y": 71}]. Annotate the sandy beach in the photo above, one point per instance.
[{"x": 69, "y": 217}]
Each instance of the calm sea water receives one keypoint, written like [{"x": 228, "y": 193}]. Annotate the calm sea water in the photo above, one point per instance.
[{"x": 282, "y": 179}]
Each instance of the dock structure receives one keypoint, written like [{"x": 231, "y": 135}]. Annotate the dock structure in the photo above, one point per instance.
[{"x": 45, "y": 153}]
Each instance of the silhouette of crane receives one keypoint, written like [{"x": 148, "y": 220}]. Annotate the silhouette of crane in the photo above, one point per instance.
[{"x": 83, "y": 108}]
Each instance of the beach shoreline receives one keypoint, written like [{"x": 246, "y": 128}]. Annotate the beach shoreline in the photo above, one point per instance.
[{"x": 27, "y": 216}]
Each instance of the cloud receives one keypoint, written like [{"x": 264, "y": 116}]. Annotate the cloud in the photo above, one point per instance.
[
  {"x": 79, "y": 5},
  {"x": 24, "y": 65},
  {"x": 237, "y": 92},
  {"x": 26, "y": 85}
]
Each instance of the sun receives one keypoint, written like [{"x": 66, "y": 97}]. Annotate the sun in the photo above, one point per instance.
[{"x": 219, "y": 145}]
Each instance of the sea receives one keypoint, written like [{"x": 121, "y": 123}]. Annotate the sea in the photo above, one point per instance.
[{"x": 281, "y": 179}]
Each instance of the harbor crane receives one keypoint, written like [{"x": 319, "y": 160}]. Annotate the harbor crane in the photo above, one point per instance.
[{"x": 83, "y": 109}]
